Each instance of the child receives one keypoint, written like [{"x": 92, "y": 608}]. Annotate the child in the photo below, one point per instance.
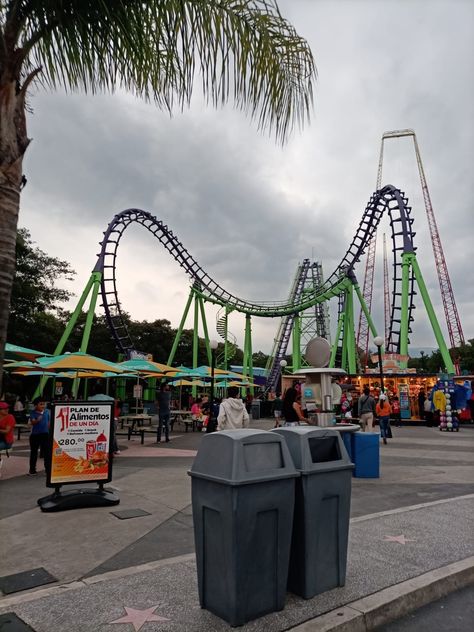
[
  {"x": 396, "y": 411},
  {"x": 39, "y": 437}
]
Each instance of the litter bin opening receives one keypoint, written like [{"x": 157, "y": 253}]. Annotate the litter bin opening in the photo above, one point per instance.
[
  {"x": 324, "y": 449},
  {"x": 263, "y": 456}
]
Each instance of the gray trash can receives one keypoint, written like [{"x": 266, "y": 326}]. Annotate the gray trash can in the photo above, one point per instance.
[
  {"x": 243, "y": 499},
  {"x": 318, "y": 556},
  {"x": 255, "y": 410}
]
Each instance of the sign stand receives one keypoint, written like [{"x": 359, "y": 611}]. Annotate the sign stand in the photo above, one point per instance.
[
  {"x": 78, "y": 499},
  {"x": 80, "y": 452}
]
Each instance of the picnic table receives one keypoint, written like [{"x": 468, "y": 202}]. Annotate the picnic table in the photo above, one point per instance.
[
  {"x": 184, "y": 417},
  {"x": 135, "y": 419}
]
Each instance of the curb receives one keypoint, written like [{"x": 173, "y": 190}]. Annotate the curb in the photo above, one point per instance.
[{"x": 394, "y": 602}]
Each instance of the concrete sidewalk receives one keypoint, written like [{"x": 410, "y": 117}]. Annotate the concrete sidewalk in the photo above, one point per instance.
[{"x": 411, "y": 540}]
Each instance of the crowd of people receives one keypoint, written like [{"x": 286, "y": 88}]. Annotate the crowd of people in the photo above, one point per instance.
[{"x": 233, "y": 412}]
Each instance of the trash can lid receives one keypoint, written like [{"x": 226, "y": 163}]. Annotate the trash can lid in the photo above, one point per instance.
[
  {"x": 315, "y": 449},
  {"x": 239, "y": 457}
]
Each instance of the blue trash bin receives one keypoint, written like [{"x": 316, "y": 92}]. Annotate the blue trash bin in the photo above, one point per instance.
[{"x": 366, "y": 454}]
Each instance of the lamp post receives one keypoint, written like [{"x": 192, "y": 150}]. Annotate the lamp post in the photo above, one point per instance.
[
  {"x": 283, "y": 364},
  {"x": 210, "y": 423},
  {"x": 378, "y": 342}
]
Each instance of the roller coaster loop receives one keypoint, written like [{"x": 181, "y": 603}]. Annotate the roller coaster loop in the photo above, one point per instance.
[{"x": 406, "y": 271}]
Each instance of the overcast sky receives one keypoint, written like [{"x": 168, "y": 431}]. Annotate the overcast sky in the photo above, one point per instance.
[{"x": 249, "y": 210}]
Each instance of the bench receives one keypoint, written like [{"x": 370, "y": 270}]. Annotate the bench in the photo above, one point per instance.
[
  {"x": 22, "y": 428},
  {"x": 186, "y": 421}
]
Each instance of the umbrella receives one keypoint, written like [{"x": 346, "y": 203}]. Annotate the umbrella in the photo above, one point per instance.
[
  {"x": 96, "y": 374},
  {"x": 182, "y": 382},
  {"x": 26, "y": 367},
  {"x": 14, "y": 352},
  {"x": 146, "y": 366},
  {"x": 206, "y": 371},
  {"x": 79, "y": 361}
]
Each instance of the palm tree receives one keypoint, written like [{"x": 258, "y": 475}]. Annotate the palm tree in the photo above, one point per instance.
[{"x": 241, "y": 49}]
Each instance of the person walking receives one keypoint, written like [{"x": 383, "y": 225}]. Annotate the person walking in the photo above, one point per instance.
[
  {"x": 277, "y": 404},
  {"x": 232, "y": 412},
  {"x": 366, "y": 410},
  {"x": 163, "y": 402},
  {"x": 421, "y": 403},
  {"x": 291, "y": 408},
  {"x": 383, "y": 411},
  {"x": 39, "y": 437}
]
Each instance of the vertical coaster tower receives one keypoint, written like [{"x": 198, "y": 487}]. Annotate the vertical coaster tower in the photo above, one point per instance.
[{"x": 453, "y": 322}]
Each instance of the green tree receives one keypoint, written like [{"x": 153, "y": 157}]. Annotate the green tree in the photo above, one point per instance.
[
  {"x": 243, "y": 49},
  {"x": 36, "y": 296},
  {"x": 259, "y": 359}
]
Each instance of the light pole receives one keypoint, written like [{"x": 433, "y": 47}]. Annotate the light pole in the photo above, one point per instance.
[
  {"x": 378, "y": 342},
  {"x": 283, "y": 364},
  {"x": 210, "y": 423}
]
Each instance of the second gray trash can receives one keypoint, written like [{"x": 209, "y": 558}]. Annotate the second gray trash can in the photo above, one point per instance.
[
  {"x": 243, "y": 498},
  {"x": 255, "y": 409},
  {"x": 318, "y": 556}
]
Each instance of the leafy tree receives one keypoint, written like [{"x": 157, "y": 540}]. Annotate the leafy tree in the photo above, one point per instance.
[
  {"x": 243, "y": 49},
  {"x": 35, "y": 294},
  {"x": 259, "y": 359},
  {"x": 465, "y": 353}
]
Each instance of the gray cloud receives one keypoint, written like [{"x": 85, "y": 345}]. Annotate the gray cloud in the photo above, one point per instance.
[{"x": 248, "y": 210}]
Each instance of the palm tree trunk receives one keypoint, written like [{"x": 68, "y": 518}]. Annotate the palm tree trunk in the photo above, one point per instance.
[{"x": 13, "y": 144}]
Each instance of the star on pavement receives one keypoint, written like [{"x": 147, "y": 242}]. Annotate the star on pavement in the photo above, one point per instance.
[
  {"x": 138, "y": 618},
  {"x": 401, "y": 539}
]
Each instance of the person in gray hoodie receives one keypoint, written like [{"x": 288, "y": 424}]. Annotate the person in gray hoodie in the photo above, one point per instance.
[
  {"x": 232, "y": 412},
  {"x": 366, "y": 410}
]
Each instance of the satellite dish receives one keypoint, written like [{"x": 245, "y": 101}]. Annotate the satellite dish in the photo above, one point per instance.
[{"x": 318, "y": 352}]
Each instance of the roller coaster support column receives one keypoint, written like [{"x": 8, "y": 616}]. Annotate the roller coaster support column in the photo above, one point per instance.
[
  {"x": 226, "y": 341},
  {"x": 296, "y": 363},
  {"x": 180, "y": 328},
  {"x": 432, "y": 316},
  {"x": 365, "y": 310},
  {"x": 349, "y": 333},
  {"x": 195, "y": 340},
  {"x": 404, "y": 317},
  {"x": 248, "y": 359},
  {"x": 209, "y": 350},
  {"x": 340, "y": 325},
  {"x": 88, "y": 326},
  {"x": 94, "y": 285},
  {"x": 344, "y": 335}
]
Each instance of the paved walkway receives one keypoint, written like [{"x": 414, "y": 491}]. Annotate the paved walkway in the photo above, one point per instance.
[{"x": 411, "y": 540}]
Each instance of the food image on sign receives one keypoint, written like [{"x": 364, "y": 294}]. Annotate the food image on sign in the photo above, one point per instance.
[{"x": 81, "y": 439}]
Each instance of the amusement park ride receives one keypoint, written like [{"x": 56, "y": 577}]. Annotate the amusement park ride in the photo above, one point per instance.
[{"x": 305, "y": 313}]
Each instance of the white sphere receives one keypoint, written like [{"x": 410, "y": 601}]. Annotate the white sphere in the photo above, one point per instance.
[{"x": 450, "y": 425}]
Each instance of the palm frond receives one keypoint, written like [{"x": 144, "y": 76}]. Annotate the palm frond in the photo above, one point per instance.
[{"x": 243, "y": 50}]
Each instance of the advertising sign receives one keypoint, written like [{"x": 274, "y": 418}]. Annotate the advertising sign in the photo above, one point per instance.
[
  {"x": 81, "y": 433},
  {"x": 137, "y": 391},
  {"x": 405, "y": 412},
  {"x": 391, "y": 362}
]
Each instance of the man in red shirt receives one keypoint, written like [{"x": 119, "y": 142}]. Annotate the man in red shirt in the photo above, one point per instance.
[{"x": 7, "y": 425}]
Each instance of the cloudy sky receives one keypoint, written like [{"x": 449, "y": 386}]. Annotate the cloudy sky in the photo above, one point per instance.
[{"x": 249, "y": 210}]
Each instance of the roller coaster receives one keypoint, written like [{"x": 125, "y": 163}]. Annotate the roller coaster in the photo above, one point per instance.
[{"x": 309, "y": 292}]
